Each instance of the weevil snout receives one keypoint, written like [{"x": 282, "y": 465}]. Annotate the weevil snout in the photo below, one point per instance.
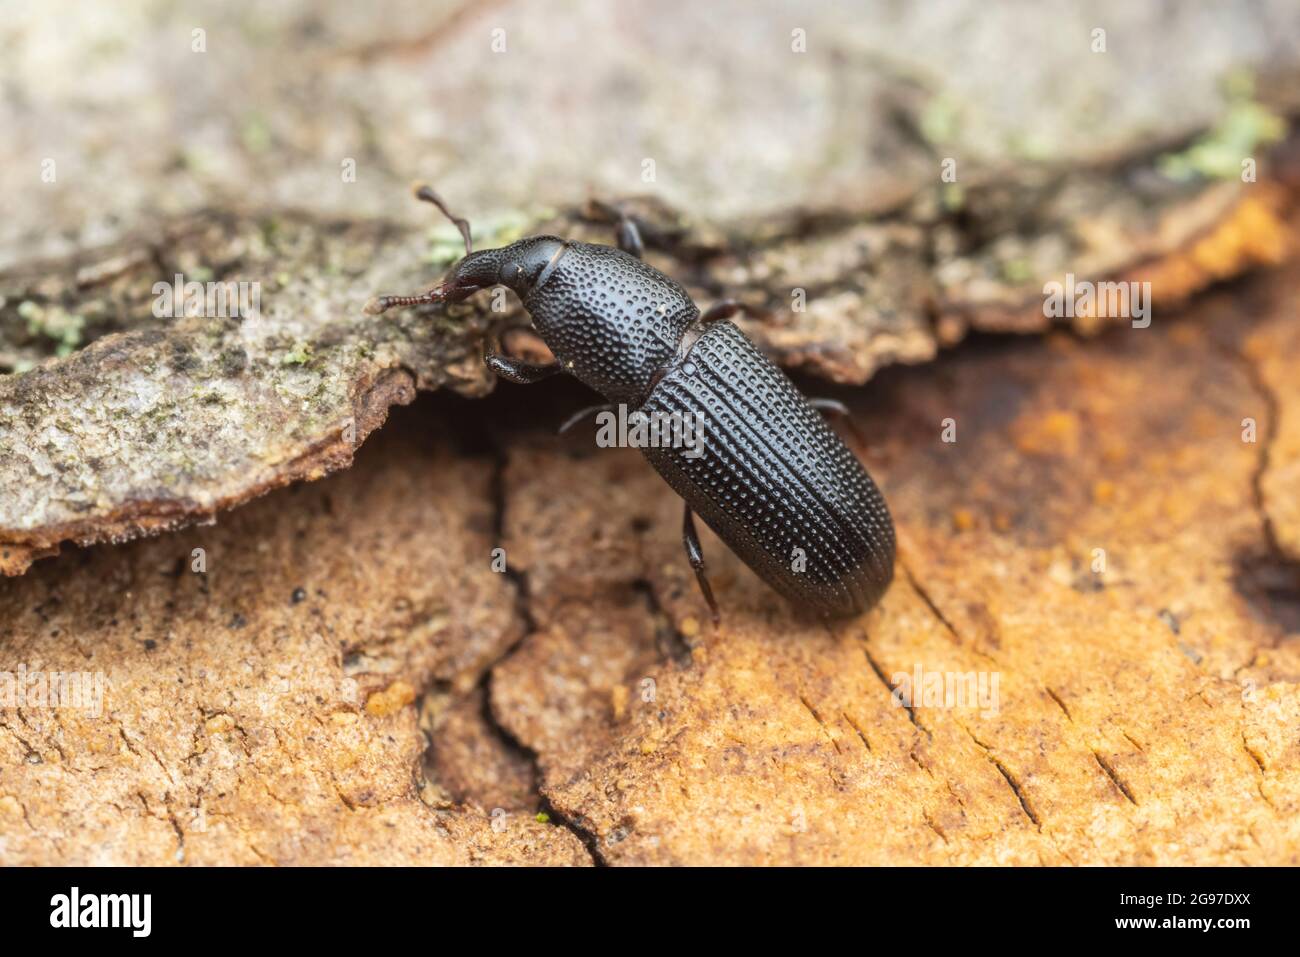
[
  {"x": 521, "y": 266},
  {"x": 480, "y": 270}
]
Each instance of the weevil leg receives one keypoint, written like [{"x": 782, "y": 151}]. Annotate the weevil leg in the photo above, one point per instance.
[
  {"x": 829, "y": 405},
  {"x": 837, "y": 407},
  {"x": 629, "y": 235},
  {"x": 517, "y": 370},
  {"x": 581, "y": 414},
  {"x": 726, "y": 308},
  {"x": 691, "y": 539},
  {"x": 626, "y": 231}
]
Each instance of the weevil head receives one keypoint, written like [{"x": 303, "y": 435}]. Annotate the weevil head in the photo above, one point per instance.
[{"x": 518, "y": 266}]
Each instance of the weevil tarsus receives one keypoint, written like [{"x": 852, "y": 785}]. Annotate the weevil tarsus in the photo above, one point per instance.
[{"x": 517, "y": 370}]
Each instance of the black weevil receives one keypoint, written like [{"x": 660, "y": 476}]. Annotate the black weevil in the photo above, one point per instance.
[{"x": 774, "y": 481}]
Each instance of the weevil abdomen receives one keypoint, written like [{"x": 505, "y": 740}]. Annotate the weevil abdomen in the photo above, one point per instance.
[{"x": 773, "y": 480}]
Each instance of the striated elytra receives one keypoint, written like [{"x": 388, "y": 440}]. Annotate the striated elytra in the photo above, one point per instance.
[{"x": 769, "y": 476}]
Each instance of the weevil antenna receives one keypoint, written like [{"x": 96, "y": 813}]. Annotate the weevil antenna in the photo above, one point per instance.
[
  {"x": 423, "y": 191},
  {"x": 381, "y": 304}
]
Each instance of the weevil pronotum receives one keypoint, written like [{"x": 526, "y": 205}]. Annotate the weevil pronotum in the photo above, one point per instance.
[{"x": 774, "y": 481}]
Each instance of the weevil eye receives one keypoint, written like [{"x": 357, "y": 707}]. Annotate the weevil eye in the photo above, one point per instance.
[{"x": 512, "y": 274}]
